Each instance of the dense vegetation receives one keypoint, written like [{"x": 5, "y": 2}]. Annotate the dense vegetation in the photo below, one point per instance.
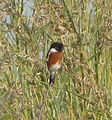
[{"x": 83, "y": 91}]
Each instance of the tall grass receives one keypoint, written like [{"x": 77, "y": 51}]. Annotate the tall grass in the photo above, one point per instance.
[{"x": 83, "y": 90}]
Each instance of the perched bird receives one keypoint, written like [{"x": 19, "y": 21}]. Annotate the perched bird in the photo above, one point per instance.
[{"x": 54, "y": 59}]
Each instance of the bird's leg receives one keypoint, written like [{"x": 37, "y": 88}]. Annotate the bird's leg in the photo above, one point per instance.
[{"x": 52, "y": 78}]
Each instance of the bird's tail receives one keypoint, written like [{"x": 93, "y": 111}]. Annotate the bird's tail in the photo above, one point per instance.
[{"x": 52, "y": 78}]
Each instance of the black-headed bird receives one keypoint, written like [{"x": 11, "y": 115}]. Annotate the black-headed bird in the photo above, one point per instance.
[{"x": 54, "y": 59}]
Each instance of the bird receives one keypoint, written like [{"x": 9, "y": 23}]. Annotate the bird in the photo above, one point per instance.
[{"x": 54, "y": 59}]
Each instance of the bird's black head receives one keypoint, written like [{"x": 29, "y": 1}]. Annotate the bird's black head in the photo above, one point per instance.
[{"x": 58, "y": 46}]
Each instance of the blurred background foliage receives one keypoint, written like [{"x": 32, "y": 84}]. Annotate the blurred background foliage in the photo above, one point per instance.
[{"x": 83, "y": 91}]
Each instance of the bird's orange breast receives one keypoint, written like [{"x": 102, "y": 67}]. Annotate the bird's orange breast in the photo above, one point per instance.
[{"x": 55, "y": 59}]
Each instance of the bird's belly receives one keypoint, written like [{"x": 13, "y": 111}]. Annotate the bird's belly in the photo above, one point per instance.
[{"x": 55, "y": 67}]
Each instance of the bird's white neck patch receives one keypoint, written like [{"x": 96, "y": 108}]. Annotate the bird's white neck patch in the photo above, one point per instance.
[{"x": 53, "y": 50}]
